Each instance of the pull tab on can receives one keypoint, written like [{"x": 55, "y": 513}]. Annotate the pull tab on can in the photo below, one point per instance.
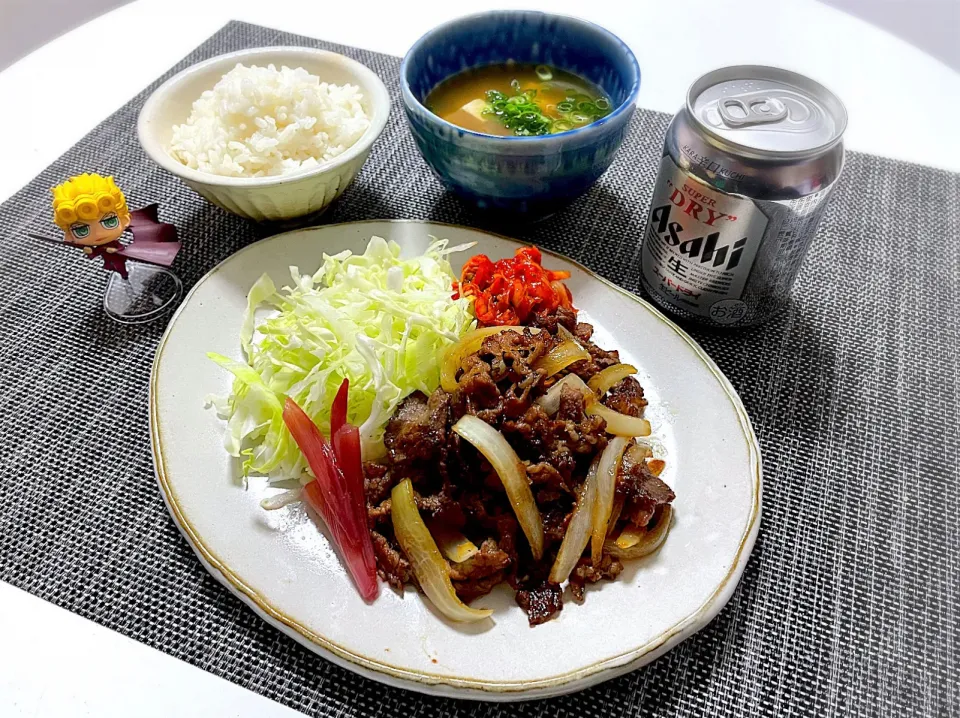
[{"x": 756, "y": 111}]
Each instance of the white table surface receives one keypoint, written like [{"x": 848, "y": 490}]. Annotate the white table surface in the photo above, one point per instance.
[{"x": 902, "y": 103}]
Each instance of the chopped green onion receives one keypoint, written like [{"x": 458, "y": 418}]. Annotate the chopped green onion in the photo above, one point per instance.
[
  {"x": 521, "y": 113},
  {"x": 543, "y": 72}
]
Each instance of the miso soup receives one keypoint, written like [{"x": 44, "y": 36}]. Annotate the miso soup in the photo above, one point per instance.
[{"x": 517, "y": 99}]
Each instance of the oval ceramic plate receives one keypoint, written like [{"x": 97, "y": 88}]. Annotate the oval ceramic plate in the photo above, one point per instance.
[{"x": 285, "y": 569}]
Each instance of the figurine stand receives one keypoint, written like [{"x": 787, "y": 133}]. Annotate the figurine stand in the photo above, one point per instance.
[{"x": 146, "y": 294}]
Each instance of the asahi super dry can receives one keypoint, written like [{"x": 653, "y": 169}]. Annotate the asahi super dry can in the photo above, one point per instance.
[{"x": 747, "y": 167}]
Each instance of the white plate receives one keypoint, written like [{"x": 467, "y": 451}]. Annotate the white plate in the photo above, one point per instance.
[{"x": 285, "y": 569}]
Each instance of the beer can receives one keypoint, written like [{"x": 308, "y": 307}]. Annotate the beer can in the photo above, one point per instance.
[{"x": 748, "y": 165}]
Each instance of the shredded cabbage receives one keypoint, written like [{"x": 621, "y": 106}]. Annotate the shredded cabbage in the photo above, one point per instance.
[{"x": 378, "y": 320}]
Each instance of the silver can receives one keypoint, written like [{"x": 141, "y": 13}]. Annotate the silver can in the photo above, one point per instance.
[{"x": 748, "y": 165}]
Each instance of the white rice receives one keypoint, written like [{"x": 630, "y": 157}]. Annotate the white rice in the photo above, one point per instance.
[{"x": 259, "y": 121}]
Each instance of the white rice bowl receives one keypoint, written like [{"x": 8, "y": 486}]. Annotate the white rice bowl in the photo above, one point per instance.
[{"x": 260, "y": 121}]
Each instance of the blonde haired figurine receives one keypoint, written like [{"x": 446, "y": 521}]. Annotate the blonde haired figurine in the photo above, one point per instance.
[{"x": 92, "y": 212}]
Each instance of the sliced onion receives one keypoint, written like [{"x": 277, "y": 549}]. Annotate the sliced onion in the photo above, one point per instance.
[
  {"x": 278, "y": 501},
  {"x": 452, "y": 544},
  {"x": 606, "y": 483},
  {"x": 617, "y": 423},
  {"x": 428, "y": 565},
  {"x": 639, "y": 452},
  {"x": 641, "y": 542},
  {"x": 469, "y": 343},
  {"x": 579, "y": 528},
  {"x": 612, "y": 375},
  {"x": 512, "y": 473},
  {"x": 656, "y": 466},
  {"x": 550, "y": 402},
  {"x": 567, "y": 335},
  {"x": 615, "y": 513},
  {"x": 630, "y": 536},
  {"x": 560, "y": 357}
]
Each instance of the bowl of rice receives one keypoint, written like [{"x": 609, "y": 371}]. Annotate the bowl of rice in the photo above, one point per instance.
[{"x": 270, "y": 134}]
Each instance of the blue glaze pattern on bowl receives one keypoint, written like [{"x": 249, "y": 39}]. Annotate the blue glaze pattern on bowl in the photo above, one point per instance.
[{"x": 534, "y": 176}]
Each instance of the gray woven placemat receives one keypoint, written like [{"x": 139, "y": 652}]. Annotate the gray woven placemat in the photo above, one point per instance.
[{"x": 850, "y": 605}]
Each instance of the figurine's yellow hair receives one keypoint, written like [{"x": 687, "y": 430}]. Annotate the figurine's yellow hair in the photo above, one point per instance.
[{"x": 86, "y": 198}]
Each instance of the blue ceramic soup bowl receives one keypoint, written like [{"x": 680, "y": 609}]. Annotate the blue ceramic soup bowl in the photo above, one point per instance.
[{"x": 533, "y": 176}]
